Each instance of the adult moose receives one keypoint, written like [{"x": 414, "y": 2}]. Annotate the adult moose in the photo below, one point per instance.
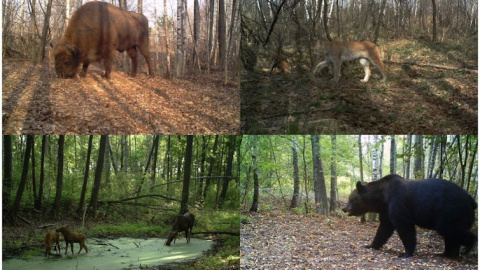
[
  {"x": 94, "y": 32},
  {"x": 182, "y": 223}
]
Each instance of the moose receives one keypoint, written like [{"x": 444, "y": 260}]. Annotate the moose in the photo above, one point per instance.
[
  {"x": 182, "y": 223},
  {"x": 73, "y": 237},
  {"x": 52, "y": 238}
]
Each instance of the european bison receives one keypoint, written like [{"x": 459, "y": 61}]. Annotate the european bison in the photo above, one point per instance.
[{"x": 95, "y": 30}]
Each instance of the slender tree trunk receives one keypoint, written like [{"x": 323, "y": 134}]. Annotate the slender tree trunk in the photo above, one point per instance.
[
  {"x": 333, "y": 179},
  {"x": 7, "y": 172},
  {"x": 418, "y": 162},
  {"x": 229, "y": 170},
  {"x": 256, "y": 184},
  {"x": 59, "y": 188},
  {"x": 180, "y": 54},
  {"x": 210, "y": 33},
  {"x": 46, "y": 26},
  {"x": 23, "y": 181},
  {"x": 434, "y": 21},
  {"x": 196, "y": 32},
  {"x": 325, "y": 20},
  {"x": 321, "y": 202},
  {"x": 38, "y": 201},
  {"x": 85, "y": 176},
  {"x": 186, "y": 175},
  {"x": 296, "y": 175},
  {"x": 167, "y": 34},
  {"x": 92, "y": 206},
  {"x": 360, "y": 157},
  {"x": 156, "y": 142},
  {"x": 393, "y": 155},
  {"x": 210, "y": 167}
]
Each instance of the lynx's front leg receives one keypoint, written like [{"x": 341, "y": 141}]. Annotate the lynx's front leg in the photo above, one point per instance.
[
  {"x": 321, "y": 66},
  {"x": 337, "y": 70},
  {"x": 366, "y": 67}
]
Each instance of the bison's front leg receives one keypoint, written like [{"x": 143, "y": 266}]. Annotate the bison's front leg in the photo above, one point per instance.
[
  {"x": 83, "y": 73},
  {"x": 132, "y": 52},
  {"x": 108, "y": 63}
]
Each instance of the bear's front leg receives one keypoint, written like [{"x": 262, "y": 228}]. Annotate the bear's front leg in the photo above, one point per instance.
[
  {"x": 384, "y": 231},
  {"x": 407, "y": 233}
]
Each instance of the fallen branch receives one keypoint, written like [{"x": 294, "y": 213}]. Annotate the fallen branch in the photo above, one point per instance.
[
  {"x": 24, "y": 220},
  {"x": 414, "y": 63},
  {"x": 139, "y": 197},
  {"x": 229, "y": 233},
  {"x": 47, "y": 225}
]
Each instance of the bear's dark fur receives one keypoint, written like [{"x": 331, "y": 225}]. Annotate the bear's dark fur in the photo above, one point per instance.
[{"x": 432, "y": 204}]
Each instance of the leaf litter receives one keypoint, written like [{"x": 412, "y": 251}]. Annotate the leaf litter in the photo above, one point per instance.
[
  {"x": 35, "y": 101},
  {"x": 283, "y": 240}
]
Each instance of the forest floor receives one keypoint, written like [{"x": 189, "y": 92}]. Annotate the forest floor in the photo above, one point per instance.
[
  {"x": 35, "y": 101},
  {"x": 414, "y": 99},
  {"x": 282, "y": 240}
]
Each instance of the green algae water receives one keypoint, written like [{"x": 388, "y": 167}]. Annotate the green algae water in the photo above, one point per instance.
[{"x": 121, "y": 253}]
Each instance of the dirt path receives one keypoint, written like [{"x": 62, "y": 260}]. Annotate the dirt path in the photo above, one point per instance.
[
  {"x": 277, "y": 240},
  {"x": 299, "y": 103},
  {"x": 34, "y": 101}
]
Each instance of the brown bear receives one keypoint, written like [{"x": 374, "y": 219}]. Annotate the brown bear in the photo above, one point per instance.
[{"x": 401, "y": 204}]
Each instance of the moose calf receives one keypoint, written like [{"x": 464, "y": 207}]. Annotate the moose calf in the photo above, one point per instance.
[
  {"x": 52, "y": 238},
  {"x": 73, "y": 237}
]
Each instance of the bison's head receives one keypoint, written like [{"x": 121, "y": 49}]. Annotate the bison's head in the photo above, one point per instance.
[{"x": 66, "y": 60}]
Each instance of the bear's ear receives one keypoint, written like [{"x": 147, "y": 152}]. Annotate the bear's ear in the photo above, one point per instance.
[{"x": 360, "y": 187}]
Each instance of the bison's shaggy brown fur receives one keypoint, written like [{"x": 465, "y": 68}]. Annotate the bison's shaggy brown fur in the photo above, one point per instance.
[{"x": 94, "y": 32}]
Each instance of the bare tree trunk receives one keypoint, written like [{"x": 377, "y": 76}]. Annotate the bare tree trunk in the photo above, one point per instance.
[
  {"x": 321, "y": 202},
  {"x": 418, "y": 153},
  {"x": 59, "y": 187},
  {"x": 296, "y": 176},
  {"x": 393, "y": 155},
  {"x": 46, "y": 26},
  {"x": 196, "y": 33},
  {"x": 210, "y": 33},
  {"x": 256, "y": 184},
  {"x": 325, "y": 20},
  {"x": 92, "y": 206},
  {"x": 221, "y": 32},
  {"x": 7, "y": 172},
  {"x": 333, "y": 179},
  {"x": 33, "y": 31},
  {"x": 186, "y": 175},
  {"x": 85, "y": 176},
  {"x": 180, "y": 54},
  {"x": 434, "y": 21},
  {"x": 12, "y": 215},
  {"x": 167, "y": 34}
]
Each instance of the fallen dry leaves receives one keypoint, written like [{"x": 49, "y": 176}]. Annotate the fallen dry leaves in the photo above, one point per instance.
[
  {"x": 35, "y": 101},
  {"x": 279, "y": 240},
  {"x": 432, "y": 102}
]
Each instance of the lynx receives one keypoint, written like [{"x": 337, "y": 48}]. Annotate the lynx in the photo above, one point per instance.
[{"x": 338, "y": 51}]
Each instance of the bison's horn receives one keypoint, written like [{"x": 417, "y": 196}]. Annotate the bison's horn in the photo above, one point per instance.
[{"x": 71, "y": 48}]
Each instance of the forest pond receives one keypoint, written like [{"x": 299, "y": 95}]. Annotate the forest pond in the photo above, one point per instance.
[{"x": 120, "y": 253}]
